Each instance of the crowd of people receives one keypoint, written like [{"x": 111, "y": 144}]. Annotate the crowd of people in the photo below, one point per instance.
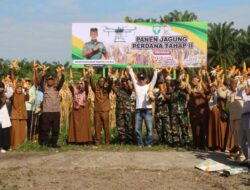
[{"x": 215, "y": 104}]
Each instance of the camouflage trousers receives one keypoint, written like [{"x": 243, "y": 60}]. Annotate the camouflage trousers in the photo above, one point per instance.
[
  {"x": 163, "y": 128},
  {"x": 180, "y": 129},
  {"x": 125, "y": 128}
]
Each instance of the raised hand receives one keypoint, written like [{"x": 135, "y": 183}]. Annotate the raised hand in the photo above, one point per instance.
[
  {"x": 154, "y": 65},
  {"x": 60, "y": 70},
  {"x": 71, "y": 82},
  {"x": 90, "y": 70},
  {"x": 109, "y": 68},
  {"x": 44, "y": 68},
  {"x": 14, "y": 65}
]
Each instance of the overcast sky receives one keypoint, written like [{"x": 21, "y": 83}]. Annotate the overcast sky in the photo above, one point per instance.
[{"x": 41, "y": 29}]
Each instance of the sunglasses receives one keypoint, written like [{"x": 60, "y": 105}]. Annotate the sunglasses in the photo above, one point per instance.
[{"x": 141, "y": 78}]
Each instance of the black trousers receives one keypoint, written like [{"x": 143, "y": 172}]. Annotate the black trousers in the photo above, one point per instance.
[
  {"x": 29, "y": 120},
  {"x": 4, "y": 138},
  {"x": 50, "y": 121}
]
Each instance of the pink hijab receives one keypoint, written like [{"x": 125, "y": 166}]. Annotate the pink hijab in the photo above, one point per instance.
[{"x": 79, "y": 98}]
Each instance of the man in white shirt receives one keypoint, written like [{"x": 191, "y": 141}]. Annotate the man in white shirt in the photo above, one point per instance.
[
  {"x": 143, "y": 106},
  {"x": 235, "y": 103},
  {"x": 4, "y": 121},
  {"x": 244, "y": 133}
]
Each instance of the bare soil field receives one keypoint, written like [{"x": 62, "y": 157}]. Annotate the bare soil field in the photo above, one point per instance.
[{"x": 113, "y": 170}]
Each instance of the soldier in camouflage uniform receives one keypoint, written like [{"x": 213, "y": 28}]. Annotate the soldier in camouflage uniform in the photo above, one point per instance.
[
  {"x": 133, "y": 108},
  {"x": 94, "y": 49},
  {"x": 123, "y": 112},
  {"x": 179, "y": 115},
  {"x": 162, "y": 115}
]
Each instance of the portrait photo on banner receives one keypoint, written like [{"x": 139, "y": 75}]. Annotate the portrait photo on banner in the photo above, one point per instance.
[{"x": 169, "y": 44}]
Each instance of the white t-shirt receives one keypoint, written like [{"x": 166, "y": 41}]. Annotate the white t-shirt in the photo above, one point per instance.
[
  {"x": 142, "y": 100},
  {"x": 8, "y": 91},
  {"x": 4, "y": 117},
  {"x": 246, "y": 99}
]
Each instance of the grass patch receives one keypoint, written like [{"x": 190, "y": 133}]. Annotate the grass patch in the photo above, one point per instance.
[
  {"x": 35, "y": 147},
  {"x": 114, "y": 146}
]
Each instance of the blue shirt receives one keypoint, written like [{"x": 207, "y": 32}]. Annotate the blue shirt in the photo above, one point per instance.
[{"x": 39, "y": 97}]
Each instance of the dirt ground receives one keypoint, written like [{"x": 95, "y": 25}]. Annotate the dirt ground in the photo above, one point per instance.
[{"x": 113, "y": 170}]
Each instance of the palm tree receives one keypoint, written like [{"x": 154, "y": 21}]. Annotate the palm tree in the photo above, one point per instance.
[
  {"x": 4, "y": 68},
  {"x": 67, "y": 65},
  {"x": 140, "y": 20},
  {"x": 243, "y": 53},
  {"x": 189, "y": 16},
  {"x": 165, "y": 18},
  {"x": 128, "y": 19},
  {"x": 222, "y": 44},
  {"x": 177, "y": 16},
  {"x": 56, "y": 63},
  {"x": 174, "y": 16}
]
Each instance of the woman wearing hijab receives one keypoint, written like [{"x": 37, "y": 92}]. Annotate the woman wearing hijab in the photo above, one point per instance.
[
  {"x": 18, "y": 117},
  {"x": 79, "y": 128},
  {"x": 218, "y": 127}
]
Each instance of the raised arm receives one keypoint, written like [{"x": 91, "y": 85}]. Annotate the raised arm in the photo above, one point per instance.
[
  {"x": 93, "y": 87},
  {"x": 12, "y": 75},
  {"x": 86, "y": 87},
  {"x": 188, "y": 89},
  {"x": 204, "y": 86},
  {"x": 35, "y": 79},
  {"x": 42, "y": 81},
  {"x": 153, "y": 81},
  {"x": 114, "y": 87},
  {"x": 61, "y": 82},
  {"x": 71, "y": 88},
  {"x": 110, "y": 84},
  {"x": 132, "y": 74},
  {"x": 130, "y": 85}
]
